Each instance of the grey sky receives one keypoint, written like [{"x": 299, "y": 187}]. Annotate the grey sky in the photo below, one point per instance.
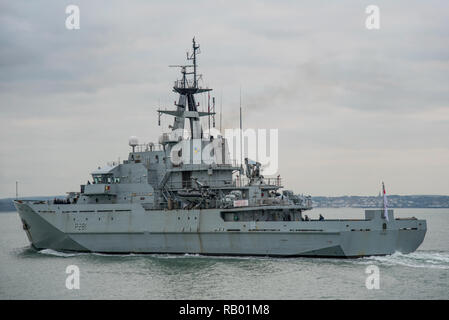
[{"x": 353, "y": 106}]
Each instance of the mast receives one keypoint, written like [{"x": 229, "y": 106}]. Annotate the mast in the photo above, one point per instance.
[{"x": 187, "y": 88}]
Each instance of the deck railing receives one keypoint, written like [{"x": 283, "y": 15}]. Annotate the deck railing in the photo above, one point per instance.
[
  {"x": 243, "y": 181},
  {"x": 214, "y": 183}
]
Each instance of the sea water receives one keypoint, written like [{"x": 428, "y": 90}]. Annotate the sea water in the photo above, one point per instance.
[{"x": 29, "y": 274}]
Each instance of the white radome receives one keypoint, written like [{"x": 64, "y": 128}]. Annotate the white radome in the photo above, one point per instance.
[{"x": 133, "y": 141}]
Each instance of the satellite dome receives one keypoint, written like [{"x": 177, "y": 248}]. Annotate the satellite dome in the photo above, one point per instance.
[{"x": 133, "y": 141}]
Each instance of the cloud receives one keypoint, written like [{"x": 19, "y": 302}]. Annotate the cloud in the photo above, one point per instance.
[{"x": 346, "y": 100}]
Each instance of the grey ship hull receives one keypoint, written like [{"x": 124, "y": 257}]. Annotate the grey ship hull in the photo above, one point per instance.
[{"x": 132, "y": 229}]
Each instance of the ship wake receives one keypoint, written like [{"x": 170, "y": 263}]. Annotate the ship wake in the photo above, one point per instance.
[
  {"x": 419, "y": 259},
  {"x": 55, "y": 253}
]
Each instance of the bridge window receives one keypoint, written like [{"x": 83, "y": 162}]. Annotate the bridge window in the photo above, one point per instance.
[{"x": 102, "y": 178}]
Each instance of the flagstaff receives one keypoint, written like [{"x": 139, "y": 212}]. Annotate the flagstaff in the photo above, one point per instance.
[{"x": 385, "y": 202}]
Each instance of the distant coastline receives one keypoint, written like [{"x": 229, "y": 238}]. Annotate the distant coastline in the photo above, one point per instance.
[{"x": 394, "y": 201}]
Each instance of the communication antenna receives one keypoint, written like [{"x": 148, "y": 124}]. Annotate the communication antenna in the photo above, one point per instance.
[
  {"x": 213, "y": 111},
  {"x": 192, "y": 56},
  {"x": 241, "y": 132},
  {"x": 208, "y": 109},
  {"x": 221, "y": 107},
  {"x": 17, "y": 190}
]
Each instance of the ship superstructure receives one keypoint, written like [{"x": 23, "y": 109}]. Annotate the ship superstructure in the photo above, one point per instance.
[{"x": 186, "y": 195}]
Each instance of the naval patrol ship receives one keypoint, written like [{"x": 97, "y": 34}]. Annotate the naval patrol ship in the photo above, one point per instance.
[{"x": 171, "y": 198}]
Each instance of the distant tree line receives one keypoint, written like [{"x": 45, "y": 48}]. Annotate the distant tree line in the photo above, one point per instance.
[{"x": 394, "y": 201}]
